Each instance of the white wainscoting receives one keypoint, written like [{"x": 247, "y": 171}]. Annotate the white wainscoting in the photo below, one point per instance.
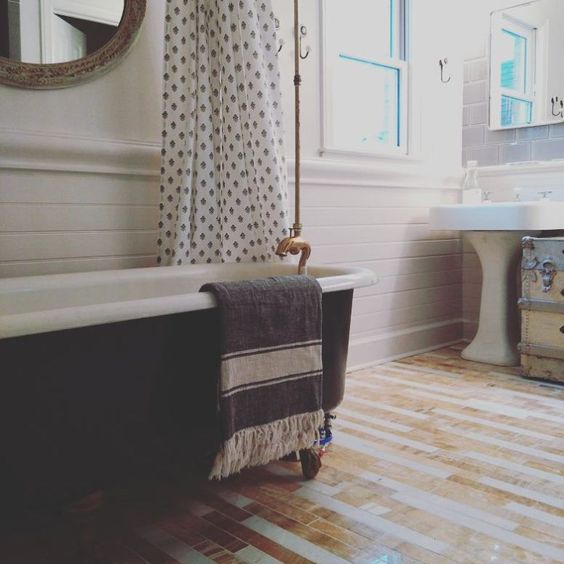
[
  {"x": 378, "y": 219},
  {"x": 501, "y": 181},
  {"x": 78, "y": 204},
  {"x": 71, "y": 204}
]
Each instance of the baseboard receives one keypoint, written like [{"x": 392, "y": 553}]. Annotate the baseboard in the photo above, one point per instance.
[
  {"x": 405, "y": 355},
  {"x": 385, "y": 347}
]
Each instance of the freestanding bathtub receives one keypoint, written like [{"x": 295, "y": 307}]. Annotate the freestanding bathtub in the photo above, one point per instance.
[{"x": 108, "y": 373}]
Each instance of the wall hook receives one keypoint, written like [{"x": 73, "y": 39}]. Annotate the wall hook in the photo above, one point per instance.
[
  {"x": 303, "y": 33},
  {"x": 558, "y": 105},
  {"x": 443, "y": 63}
]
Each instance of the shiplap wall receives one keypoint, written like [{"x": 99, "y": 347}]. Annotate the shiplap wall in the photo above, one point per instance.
[
  {"x": 54, "y": 221},
  {"x": 79, "y": 191},
  {"x": 355, "y": 216},
  {"x": 417, "y": 303},
  {"x": 70, "y": 204}
]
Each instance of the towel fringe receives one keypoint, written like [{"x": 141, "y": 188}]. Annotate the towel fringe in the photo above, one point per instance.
[{"x": 257, "y": 446}]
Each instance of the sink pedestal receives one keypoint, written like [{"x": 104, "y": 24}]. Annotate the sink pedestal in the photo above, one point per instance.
[
  {"x": 498, "y": 332},
  {"x": 495, "y": 230}
]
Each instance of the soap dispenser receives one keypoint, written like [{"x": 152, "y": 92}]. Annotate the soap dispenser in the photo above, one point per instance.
[{"x": 471, "y": 193}]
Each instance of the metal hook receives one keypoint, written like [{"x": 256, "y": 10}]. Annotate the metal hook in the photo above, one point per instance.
[
  {"x": 556, "y": 102},
  {"x": 303, "y": 33},
  {"x": 443, "y": 63}
]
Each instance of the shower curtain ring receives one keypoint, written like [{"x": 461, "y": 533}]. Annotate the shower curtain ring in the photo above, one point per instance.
[{"x": 277, "y": 26}]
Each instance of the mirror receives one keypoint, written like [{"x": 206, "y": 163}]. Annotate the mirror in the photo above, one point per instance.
[
  {"x": 526, "y": 79},
  {"x": 56, "y": 43}
]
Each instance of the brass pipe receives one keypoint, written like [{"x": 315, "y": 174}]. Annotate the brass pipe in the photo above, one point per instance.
[
  {"x": 297, "y": 124},
  {"x": 295, "y": 244}
]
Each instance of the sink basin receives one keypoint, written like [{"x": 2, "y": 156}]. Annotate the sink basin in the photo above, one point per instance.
[
  {"x": 495, "y": 231},
  {"x": 502, "y": 216}
]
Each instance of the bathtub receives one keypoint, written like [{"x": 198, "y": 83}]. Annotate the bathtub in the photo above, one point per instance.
[{"x": 105, "y": 374}]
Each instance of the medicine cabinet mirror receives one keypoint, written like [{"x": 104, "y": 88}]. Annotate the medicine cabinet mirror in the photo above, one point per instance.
[{"x": 526, "y": 78}]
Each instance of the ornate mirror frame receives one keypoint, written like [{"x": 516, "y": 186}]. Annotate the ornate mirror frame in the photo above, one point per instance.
[{"x": 61, "y": 75}]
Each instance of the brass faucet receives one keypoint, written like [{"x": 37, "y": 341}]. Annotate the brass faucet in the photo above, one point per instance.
[{"x": 295, "y": 245}]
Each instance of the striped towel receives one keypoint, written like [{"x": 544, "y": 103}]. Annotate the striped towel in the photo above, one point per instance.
[{"x": 271, "y": 375}]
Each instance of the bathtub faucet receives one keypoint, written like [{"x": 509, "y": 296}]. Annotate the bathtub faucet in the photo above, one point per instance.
[{"x": 295, "y": 245}]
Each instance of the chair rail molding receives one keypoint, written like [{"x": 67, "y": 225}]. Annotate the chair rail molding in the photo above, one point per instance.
[
  {"x": 361, "y": 174},
  {"x": 57, "y": 152}
]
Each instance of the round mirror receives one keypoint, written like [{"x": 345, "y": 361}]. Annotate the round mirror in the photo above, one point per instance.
[{"x": 57, "y": 43}]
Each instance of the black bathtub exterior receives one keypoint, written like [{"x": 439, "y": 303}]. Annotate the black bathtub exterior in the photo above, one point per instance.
[{"x": 84, "y": 409}]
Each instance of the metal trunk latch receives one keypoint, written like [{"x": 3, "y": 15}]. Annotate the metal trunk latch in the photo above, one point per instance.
[{"x": 548, "y": 272}]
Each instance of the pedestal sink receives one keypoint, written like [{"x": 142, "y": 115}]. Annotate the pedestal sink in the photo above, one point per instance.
[{"x": 495, "y": 231}]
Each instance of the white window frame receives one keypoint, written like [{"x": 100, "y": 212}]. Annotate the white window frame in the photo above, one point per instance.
[
  {"x": 330, "y": 145},
  {"x": 503, "y": 22}
]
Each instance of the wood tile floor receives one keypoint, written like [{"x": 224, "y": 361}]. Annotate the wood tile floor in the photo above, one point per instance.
[{"x": 435, "y": 460}]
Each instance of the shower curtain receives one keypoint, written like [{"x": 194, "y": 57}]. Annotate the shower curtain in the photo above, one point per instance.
[{"x": 223, "y": 174}]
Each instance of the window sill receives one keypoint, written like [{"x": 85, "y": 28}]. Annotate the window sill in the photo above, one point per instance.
[{"x": 391, "y": 155}]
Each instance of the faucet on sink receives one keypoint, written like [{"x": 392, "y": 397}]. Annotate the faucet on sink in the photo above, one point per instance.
[{"x": 544, "y": 194}]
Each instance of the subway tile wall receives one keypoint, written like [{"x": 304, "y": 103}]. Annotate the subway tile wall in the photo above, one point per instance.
[{"x": 490, "y": 148}]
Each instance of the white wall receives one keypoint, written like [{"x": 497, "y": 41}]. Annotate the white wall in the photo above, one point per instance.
[
  {"x": 79, "y": 184},
  {"x": 374, "y": 212},
  {"x": 79, "y": 167}
]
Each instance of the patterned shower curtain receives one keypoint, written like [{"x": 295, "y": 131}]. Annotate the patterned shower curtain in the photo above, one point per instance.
[{"x": 223, "y": 176}]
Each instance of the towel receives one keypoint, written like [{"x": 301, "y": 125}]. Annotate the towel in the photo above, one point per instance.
[{"x": 271, "y": 372}]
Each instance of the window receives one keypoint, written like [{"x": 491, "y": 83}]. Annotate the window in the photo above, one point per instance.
[
  {"x": 513, "y": 72},
  {"x": 365, "y": 86}
]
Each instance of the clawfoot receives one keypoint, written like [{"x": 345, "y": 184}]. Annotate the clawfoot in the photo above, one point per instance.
[{"x": 311, "y": 463}]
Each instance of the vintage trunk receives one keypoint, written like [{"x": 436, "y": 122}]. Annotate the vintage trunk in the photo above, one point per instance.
[{"x": 542, "y": 308}]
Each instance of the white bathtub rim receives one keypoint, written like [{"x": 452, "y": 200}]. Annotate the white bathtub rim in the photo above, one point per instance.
[
  {"x": 360, "y": 275},
  {"x": 48, "y": 320}
]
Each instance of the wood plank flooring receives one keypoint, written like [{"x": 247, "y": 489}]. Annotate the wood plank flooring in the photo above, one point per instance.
[{"x": 435, "y": 459}]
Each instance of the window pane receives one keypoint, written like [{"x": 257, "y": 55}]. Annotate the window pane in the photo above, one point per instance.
[
  {"x": 513, "y": 61},
  {"x": 515, "y": 111},
  {"x": 364, "y": 27},
  {"x": 366, "y": 101}
]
